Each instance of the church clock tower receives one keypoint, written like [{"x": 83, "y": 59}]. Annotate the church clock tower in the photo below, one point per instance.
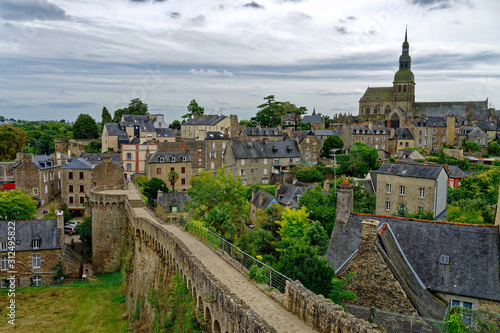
[{"x": 404, "y": 81}]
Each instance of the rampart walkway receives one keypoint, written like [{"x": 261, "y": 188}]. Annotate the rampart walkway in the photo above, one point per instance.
[{"x": 272, "y": 312}]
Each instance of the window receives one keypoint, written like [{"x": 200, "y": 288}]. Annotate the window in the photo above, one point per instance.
[
  {"x": 200, "y": 161},
  {"x": 35, "y": 243},
  {"x": 276, "y": 161},
  {"x": 444, "y": 131},
  {"x": 82, "y": 200},
  {"x": 307, "y": 140},
  {"x": 172, "y": 169},
  {"x": 183, "y": 170},
  {"x": 36, "y": 261},
  {"x": 46, "y": 190},
  {"x": 243, "y": 162},
  {"x": 213, "y": 145},
  {"x": 70, "y": 189},
  {"x": 387, "y": 205},
  {"x": 434, "y": 131},
  {"x": 200, "y": 152},
  {"x": 389, "y": 188},
  {"x": 82, "y": 188},
  {"x": 242, "y": 172},
  {"x": 81, "y": 175},
  {"x": 35, "y": 191},
  {"x": 129, "y": 167},
  {"x": 213, "y": 154},
  {"x": 402, "y": 190},
  {"x": 162, "y": 159},
  {"x": 129, "y": 156},
  {"x": 466, "y": 317},
  {"x": 58, "y": 185},
  {"x": 70, "y": 200},
  {"x": 420, "y": 209},
  {"x": 158, "y": 171},
  {"x": 421, "y": 192},
  {"x": 419, "y": 141},
  {"x": 406, "y": 144},
  {"x": 94, "y": 184},
  {"x": 444, "y": 139},
  {"x": 37, "y": 281},
  {"x": 44, "y": 178},
  {"x": 420, "y": 133},
  {"x": 183, "y": 181},
  {"x": 265, "y": 171},
  {"x": 265, "y": 161},
  {"x": 173, "y": 159},
  {"x": 70, "y": 175},
  {"x": 223, "y": 145},
  {"x": 5, "y": 263}
]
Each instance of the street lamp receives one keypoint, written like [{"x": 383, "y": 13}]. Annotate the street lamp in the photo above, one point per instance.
[{"x": 332, "y": 152}]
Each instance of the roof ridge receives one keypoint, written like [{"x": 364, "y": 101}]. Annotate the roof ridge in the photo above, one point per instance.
[{"x": 429, "y": 221}]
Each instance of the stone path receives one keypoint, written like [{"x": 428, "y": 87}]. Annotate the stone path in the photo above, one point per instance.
[{"x": 272, "y": 312}]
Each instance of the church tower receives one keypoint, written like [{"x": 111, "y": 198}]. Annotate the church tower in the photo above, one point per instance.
[{"x": 404, "y": 81}]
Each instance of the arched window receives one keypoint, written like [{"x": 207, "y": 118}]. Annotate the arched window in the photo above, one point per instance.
[
  {"x": 387, "y": 109},
  {"x": 399, "y": 88},
  {"x": 368, "y": 110},
  {"x": 404, "y": 88}
]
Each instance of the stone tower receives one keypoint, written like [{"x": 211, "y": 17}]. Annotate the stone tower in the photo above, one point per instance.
[{"x": 404, "y": 80}]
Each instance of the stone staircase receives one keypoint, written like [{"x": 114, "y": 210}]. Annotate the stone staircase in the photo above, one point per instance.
[{"x": 71, "y": 256}]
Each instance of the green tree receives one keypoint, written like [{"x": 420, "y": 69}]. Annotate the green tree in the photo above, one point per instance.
[
  {"x": 493, "y": 148},
  {"x": 321, "y": 207},
  {"x": 294, "y": 224},
  {"x": 172, "y": 178},
  {"x": 332, "y": 142},
  {"x": 135, "y": 107},
  {"x": 247, "y": 123},
  {"x": 12, "y": 139},
  {"x": 311, "y": 175},
  {"x": 316, "y": 236},
  {"x": 17, "y": 205},
  {"x": 364, "y": 202},
  {"x": 472, "y": 146},
  {"x": 222, "y": 191},
  {"x": 359, "y": 161},
  {"x": 269, "y": 114},
  {"x": 105, "y": 116},
  {"x": 85, "y": 127},
  {"x": 152, "y": 187},
  {"x": 84, "y": 230},
  {"x": 193, "y": 109},
  {"x": 256, "y": 242},
  {"x": 176, "y": 125},
  {"x": 287, "y": 108},
  {"x": 94, "y": 147}
]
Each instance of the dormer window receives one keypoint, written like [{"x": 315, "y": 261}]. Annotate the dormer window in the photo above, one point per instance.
[
  {"x": 162, "y": 159},
  {"x": 35, "y": 243},
  {"x": 172, "y": 159},
  {"x": 184, "y": 159}
]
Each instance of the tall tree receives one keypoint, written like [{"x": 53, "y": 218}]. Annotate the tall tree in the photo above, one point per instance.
[
  {"x": 136, "y": 106},
  {"x": 85, "y": 127},
  {"x": 269, "y": 115},
  {"x": 295, "y": 112},
  {"x": 193, "y": 109},
  {"x": 17, "y": 205},
  {"x": 172, "y": 178},
  {"x": 106, "y": 116},
  {"x": 176, "y": 125},
  {"x": 12, "y": 139},
  {"x": 331, "y": 142}
]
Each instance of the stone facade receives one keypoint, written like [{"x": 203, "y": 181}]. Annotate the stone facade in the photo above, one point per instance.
[
  {"x": 196, "y": 149},
  {"x": 375, "y": 287},
  {"x": 197, "y": 128},
  {"x": 107, "y": 173},
  {"x": 216, "y": 144},
  {"x": 76, "y": 184},
  {"x": 7, "y": 171},
  {"x": 160, "y": 167},
  {"x": 71, "y": 147}
]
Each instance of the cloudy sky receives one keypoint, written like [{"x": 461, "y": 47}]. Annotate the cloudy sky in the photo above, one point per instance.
[{"x": 61, "y": 58}]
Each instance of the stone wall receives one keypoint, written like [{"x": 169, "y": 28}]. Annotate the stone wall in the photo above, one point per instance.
[
  {"x": 322, "y": 314},
  {"x": 489, "y": 306}
]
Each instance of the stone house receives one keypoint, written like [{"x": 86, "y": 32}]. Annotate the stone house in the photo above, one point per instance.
[
  {"x": 309, "y": 145},
  {"x": 372, "y": 135},
  {"x": 38, "y": 176},
  {"x": 473, "y": 134},
  {"x": 323, "y": 134},
  {"x": 289, "y": 195},
  {"x": 261, "y": 200},
  {"x": 107, "y": 173},
  {"x": 39, "y": 246},
  {"x": 71, "y": 147},
  {"x": 415, "y": 266},
  {"x": 317, "y": 122},
  {"x": 161, "y": 163},
  {"x": 133, "y": 157},
  {"x": 284, "y": 155},
  {"x": 251, "y": 160},
  {"x": 216, "y": 144},
  {"x": 113, "y": 136},
  {"x": 419, "y": 187},
  {"x": 261, "y": 133},
  {"x": 491, "y": 128},
  {"x": 401, "y": 138},
  {"x": 197, "y": 149},
  {"x": 197, "y": 128},
  {"x": 173, "y": 203},
  {"x": 455, "y": 175},
  {"x": 76, "y": 184}
]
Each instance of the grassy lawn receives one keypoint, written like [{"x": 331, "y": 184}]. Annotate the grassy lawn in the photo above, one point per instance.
[{"x": 78, "y": 307}]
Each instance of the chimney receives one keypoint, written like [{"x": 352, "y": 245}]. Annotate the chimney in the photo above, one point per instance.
[
  {"x": 277, "y": 190},
  {"x": 63, "y": 161},
  {"x": 369, "y": 231},
  {"x": 148, "y": 154},
  {"x": 253, "y": 194},
  {"x": 60, "y": 225},
  {"x": 344, "y": 202},
  {"x": 261, "y": 199},
  {"x": 370, "y": 125},
  {"x": 326, "y": 186},
  {"x": 288, "y": 131}
]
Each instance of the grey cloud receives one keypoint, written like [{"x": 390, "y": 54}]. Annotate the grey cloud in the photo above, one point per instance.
[
  {"x": 175, "y": 15},
  {"x": 254, "y": 5},
  {"x": 31, "y": 10},
  {"x": 200, "y": 19},
  {"x": 70, "y": 105},
  {"x": 352, "y": 18},
  {"x": 341, "y": 30},
  {"x": 439, "y": 4}
]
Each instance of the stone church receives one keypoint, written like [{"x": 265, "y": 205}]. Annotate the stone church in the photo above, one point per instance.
[{"x": 395, "y": 103}]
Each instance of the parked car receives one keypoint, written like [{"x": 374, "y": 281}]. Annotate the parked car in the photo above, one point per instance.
[
  {"x": 69, "y": 230},
  {"x": 71, "y": 223}
]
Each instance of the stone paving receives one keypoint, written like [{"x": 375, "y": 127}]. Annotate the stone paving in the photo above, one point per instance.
[{"x": 272, "y": 312}]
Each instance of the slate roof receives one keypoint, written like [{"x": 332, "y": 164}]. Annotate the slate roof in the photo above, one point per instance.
[
  {"x": 179, "y": 199},
  {"x": 96, "y": 158},
  {"x": 164, "y": 132},
  {"x": 42, "y": 162},
  {"x": 326, "y": 132},
  {"x": 205, "y": 120},
  {"x": 364, "y": 129},
  {"x": 302, "y": 134},
  {"x": 444, "y": 108},
  {"x": 169, "y": 156},
  {"x": 263, "y": 131},
  {"x": 145, "y": 123},
  {"x": 378, "y": 93},
  {"x": 114, "y": 129},
  {"x": 78, "y": 163},
  {"x": 456, "y": 172},
  {"x": 250, "y": 149},
  {"x": 436, "y": 121},
  {"x": 280, "y": 149},
  {"x": 268, "y": 199},
  {"x": 288, "y": 194},
  {"x": 488, "y": 125},
  {"x": 402, "y": 134},
  {"x": 313, "y": 119},
  {"x": 473, "y": 250},
  {"x": 411, "y": 170},
  {"x": 216, "y": 136},
  {"x": 26, "y": 231}
]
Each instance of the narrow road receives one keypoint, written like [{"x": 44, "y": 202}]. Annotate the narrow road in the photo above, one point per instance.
[{"x": 273, "y": 313}]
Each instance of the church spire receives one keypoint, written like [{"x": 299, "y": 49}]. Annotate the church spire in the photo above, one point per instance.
[{"x": 406, "y": 45}]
